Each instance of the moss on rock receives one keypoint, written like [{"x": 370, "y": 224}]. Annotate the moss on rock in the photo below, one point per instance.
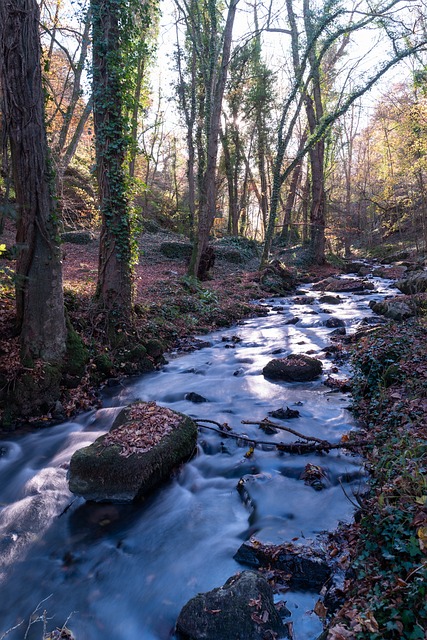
[{"x": 103, "y": 473}]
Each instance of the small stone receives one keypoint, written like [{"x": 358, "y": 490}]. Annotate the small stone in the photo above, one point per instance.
[
  {"x": 195, "y": 397},
  {"x": 284, "y": 414}
]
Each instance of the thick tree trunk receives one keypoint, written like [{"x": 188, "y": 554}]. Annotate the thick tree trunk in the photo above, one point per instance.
[
  {"x": 114, "y": 287},
  {"x": 39, "y": 295}
]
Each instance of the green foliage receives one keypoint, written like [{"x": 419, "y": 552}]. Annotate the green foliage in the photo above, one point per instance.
[{"x": 335, "y": 260}]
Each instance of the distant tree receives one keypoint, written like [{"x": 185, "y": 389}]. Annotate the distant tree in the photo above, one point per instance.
[
  {"x": 325, "y": 29},
  {"x": 389, "y": 180},
  {"x": 39, "y": 295},
  {"x": 211, "y": 42}
]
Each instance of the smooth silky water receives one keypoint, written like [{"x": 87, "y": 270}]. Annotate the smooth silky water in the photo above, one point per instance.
[{"x": 123, "y": 572}]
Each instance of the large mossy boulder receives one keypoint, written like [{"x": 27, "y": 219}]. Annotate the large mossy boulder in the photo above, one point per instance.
[
  {"x": 144, "y": 445},
  {"x": 297, "y": 367},
  {"x": 82, "y": 236},
  {"x": 176, "y": 250},
  {"x": 242, "y": 609},
  {"x": 416, "y": 282},
  {"x": 276, "y": 278}
]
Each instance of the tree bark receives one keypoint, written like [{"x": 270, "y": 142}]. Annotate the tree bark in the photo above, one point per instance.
[{"x": 39, "y": 294}]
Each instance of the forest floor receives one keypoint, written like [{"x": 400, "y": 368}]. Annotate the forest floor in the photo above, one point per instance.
[
  {"x": 170, "y": 309},
  {"x": 385, "y": 589}
]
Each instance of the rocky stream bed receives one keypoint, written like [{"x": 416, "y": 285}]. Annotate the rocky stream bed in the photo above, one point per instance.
[{"x": 124, "y": 571}]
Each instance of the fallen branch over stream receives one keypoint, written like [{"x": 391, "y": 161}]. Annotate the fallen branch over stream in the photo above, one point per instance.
[{"x": 313, "y": 445}]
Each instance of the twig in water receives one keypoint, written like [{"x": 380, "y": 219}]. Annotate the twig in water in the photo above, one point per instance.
[
  {"x": 355, "y": 504},
  {"x": 40, "y": 618},
  {"x": 315, "y": 445},
  {"x": 270, "y": 423},
  {"x": 6, "y": 633}
]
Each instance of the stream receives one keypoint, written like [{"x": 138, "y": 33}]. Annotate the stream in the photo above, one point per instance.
[{"x": 123, "y": 572}]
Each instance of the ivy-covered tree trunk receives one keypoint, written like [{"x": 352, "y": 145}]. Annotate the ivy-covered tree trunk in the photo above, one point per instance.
[
  {"x": 39, "y": 294},
  {"x": 114, "y": 287}
]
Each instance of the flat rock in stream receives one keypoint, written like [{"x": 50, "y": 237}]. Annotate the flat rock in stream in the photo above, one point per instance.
[
  {"x": 306, "y": 566},
  {"x": 344, "y": 285},
  {"x": 145, "y": 444},
  {"x": 242, "y": 609},
  {"x": 296, "y": 367}
]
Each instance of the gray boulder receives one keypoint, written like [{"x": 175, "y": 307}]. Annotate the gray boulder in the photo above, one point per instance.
[
  {"x": 395, "y": 309},
  {"x": 144, "y": 445},
  {"x": 415, "y": 283},
  {"x": 242, "y": 609},
  {"x": 294, "y": 368}
]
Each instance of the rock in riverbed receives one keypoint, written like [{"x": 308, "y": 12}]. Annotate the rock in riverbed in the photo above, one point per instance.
[
  {"x": 144, "y": 445},
  {"x": 294, "y": 368},
  {"x": 242, "y": 608}
]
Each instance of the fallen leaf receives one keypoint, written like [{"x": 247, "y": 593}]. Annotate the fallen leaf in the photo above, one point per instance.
[
  {"x": 320, "y": 609},
  {"x": 339, "y": 632},
  {"x": 422, "y": 538}
]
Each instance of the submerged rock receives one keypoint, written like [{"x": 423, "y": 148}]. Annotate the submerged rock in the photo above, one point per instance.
[
  {"x": 195, "y": 397},
  {"x": 144, "y": 445},
  {"x": 242, "y": 609},
  {"x": 284, "y": 414},
  {"x": 330, "y": 299},
  {"x": 294, "y": 368}
]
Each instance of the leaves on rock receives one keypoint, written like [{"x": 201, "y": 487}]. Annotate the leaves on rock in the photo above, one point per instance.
[{"x": 146, "y": 425}]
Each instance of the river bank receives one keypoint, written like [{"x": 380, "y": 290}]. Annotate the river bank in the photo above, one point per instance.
[{"x": 386, "y": 589}]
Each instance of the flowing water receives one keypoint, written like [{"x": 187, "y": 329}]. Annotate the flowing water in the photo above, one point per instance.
[{"x": 123, "y": 572}]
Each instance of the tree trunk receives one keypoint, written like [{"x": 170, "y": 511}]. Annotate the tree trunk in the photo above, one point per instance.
[
  {"x": 39, "y": 295},
  {"x": 114, "y": 287},
  {"x": 290, "y": 199},
  {"x": 207, "y": 201}
]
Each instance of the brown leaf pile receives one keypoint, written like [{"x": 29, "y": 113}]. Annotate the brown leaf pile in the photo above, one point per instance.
[{"x": 146, "y": 425}]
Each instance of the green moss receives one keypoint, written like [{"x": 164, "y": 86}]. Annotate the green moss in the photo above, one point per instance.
[
  {"x": 154, "y": 348},
  {"x": 103, "y": 364},
  {"x": 77, "y": 354}
]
